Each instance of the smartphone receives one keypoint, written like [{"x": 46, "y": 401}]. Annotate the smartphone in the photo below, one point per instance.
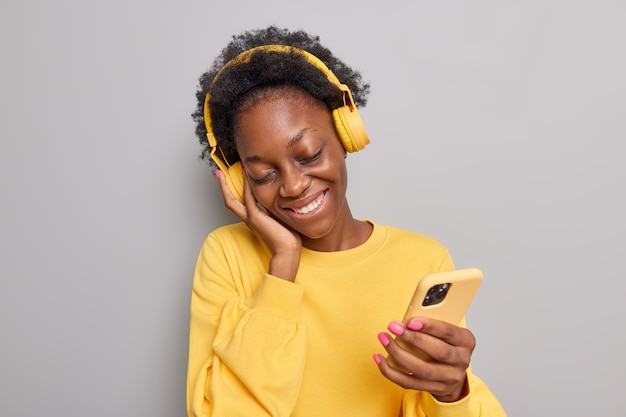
[{"x": 443, "y": 296}]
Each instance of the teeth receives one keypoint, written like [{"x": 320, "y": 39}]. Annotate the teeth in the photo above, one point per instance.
[{"x": 310, "y": 207}]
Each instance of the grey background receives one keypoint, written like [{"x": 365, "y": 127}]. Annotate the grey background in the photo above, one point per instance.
[{"x": 495, "y": 128}]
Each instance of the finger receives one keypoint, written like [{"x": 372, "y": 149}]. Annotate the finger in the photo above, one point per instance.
[
  {"x": 440, "y": 330},
  {"x": 423, "y": 367},
  {"x": 403, "y": 356},
  {"x": 230, "y": 201},
  {"x": 253, "y": 208},
  {"x": 416, "y": 342},
  {"x": 410, "y": 342},
  {"x": 393, "y": 374},
  {"x": 248, "y": 196},
  {"x": 431, "y": 380}
]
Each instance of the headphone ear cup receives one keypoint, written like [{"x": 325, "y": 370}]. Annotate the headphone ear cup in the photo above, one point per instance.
[
  {"x": 234, "y": 179},
  {"x": 350, "y": 128}
]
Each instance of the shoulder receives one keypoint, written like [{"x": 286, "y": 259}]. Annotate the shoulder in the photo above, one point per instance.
[
  {"x": 233, "y": 231},
  {"x": 410, "y": 249},
  {"x": 410, "y": 246},
  {"x": 236, "y": 237},
  {"x": 408, "y": 237}
]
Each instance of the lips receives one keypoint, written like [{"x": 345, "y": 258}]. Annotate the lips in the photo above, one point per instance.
[{"x": 311, "y": 206}]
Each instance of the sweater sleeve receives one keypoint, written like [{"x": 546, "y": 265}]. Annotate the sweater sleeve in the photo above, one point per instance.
[
  {"x": 479, "y": 402},
  {"x": 246, "y": 351}
]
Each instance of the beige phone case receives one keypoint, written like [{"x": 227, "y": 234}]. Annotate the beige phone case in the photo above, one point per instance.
[{"x": 463, "y": 286}]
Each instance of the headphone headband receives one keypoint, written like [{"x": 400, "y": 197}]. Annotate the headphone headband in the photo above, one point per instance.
[{"x": 245, "y": 56}]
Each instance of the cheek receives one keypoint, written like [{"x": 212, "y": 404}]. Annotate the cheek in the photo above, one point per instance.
[
  {"x": 264, "y": 195},
  {"x": 338, "y": 167}
]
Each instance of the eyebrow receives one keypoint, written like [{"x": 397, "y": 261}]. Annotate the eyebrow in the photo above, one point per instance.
[{"x": 295, "y": 139}]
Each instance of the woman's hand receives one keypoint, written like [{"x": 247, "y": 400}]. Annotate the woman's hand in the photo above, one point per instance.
[
  {"x": 428, "y": 355},
  {"x": 285, "y": 244}
]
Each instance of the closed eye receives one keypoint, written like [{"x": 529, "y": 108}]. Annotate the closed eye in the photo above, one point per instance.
[
  {"x": 312, "y": 158},
  {"x": 263, "y": 180}
]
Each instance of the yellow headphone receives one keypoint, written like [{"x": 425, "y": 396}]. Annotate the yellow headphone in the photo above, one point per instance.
[{"x": 347, "y": 120}]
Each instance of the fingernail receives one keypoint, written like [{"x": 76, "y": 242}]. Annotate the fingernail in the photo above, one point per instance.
[
  {"x": 415, "y": 325},
  {"x": 376, "y": 359},
  {"x": 396, "y": 328},
  {"x": 217, "y": 173},
  {"x": 384, "y": 339}
]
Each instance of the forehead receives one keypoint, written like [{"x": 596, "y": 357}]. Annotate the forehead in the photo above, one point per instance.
[
  {"x": 279, "y": 116},
  {"x": 266, "y": 94}
]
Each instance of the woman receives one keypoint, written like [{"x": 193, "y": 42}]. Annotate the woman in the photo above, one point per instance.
[{"x": 288, "y": 306}]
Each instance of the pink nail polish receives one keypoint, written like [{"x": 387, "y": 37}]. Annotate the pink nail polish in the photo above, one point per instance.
[
  {"x": 376, "y": 359},
  {"x": 415, "y": 325},
  {"x": 384, "y": 339},
  {"x": 217, "y": 173},
  {"x": 396, "y": 328}
]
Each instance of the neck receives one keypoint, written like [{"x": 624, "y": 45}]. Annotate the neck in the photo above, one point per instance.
[{"x": 345, "y": 235}]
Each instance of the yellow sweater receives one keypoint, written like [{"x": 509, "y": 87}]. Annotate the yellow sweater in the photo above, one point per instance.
[{"x": 262, "y": 346}]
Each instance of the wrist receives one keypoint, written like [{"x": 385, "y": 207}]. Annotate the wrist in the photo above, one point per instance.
[
  {"x": 285, "y": 266},
  {"x": 457, "y": 395}
]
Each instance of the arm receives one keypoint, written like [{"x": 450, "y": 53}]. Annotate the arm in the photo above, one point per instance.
[
  {"x": 246, "y": 353},
  {"x": 247, "y": 347},
  {"x": 443, "y": 385}
]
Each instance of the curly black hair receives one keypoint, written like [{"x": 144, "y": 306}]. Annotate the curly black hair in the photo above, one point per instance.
[{"x": 267, "y": 70}]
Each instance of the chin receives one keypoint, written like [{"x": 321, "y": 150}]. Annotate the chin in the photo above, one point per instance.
[{"x": 316, "y": 232}]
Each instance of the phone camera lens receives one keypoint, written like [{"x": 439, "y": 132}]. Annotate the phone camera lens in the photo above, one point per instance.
[{"x": 436, "y": 294}]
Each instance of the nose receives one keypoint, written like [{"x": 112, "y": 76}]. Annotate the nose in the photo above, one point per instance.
[{"x": 294, "y": 182}]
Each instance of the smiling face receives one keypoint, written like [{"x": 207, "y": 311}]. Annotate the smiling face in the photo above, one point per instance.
[{"x": 295, "y": 165}]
